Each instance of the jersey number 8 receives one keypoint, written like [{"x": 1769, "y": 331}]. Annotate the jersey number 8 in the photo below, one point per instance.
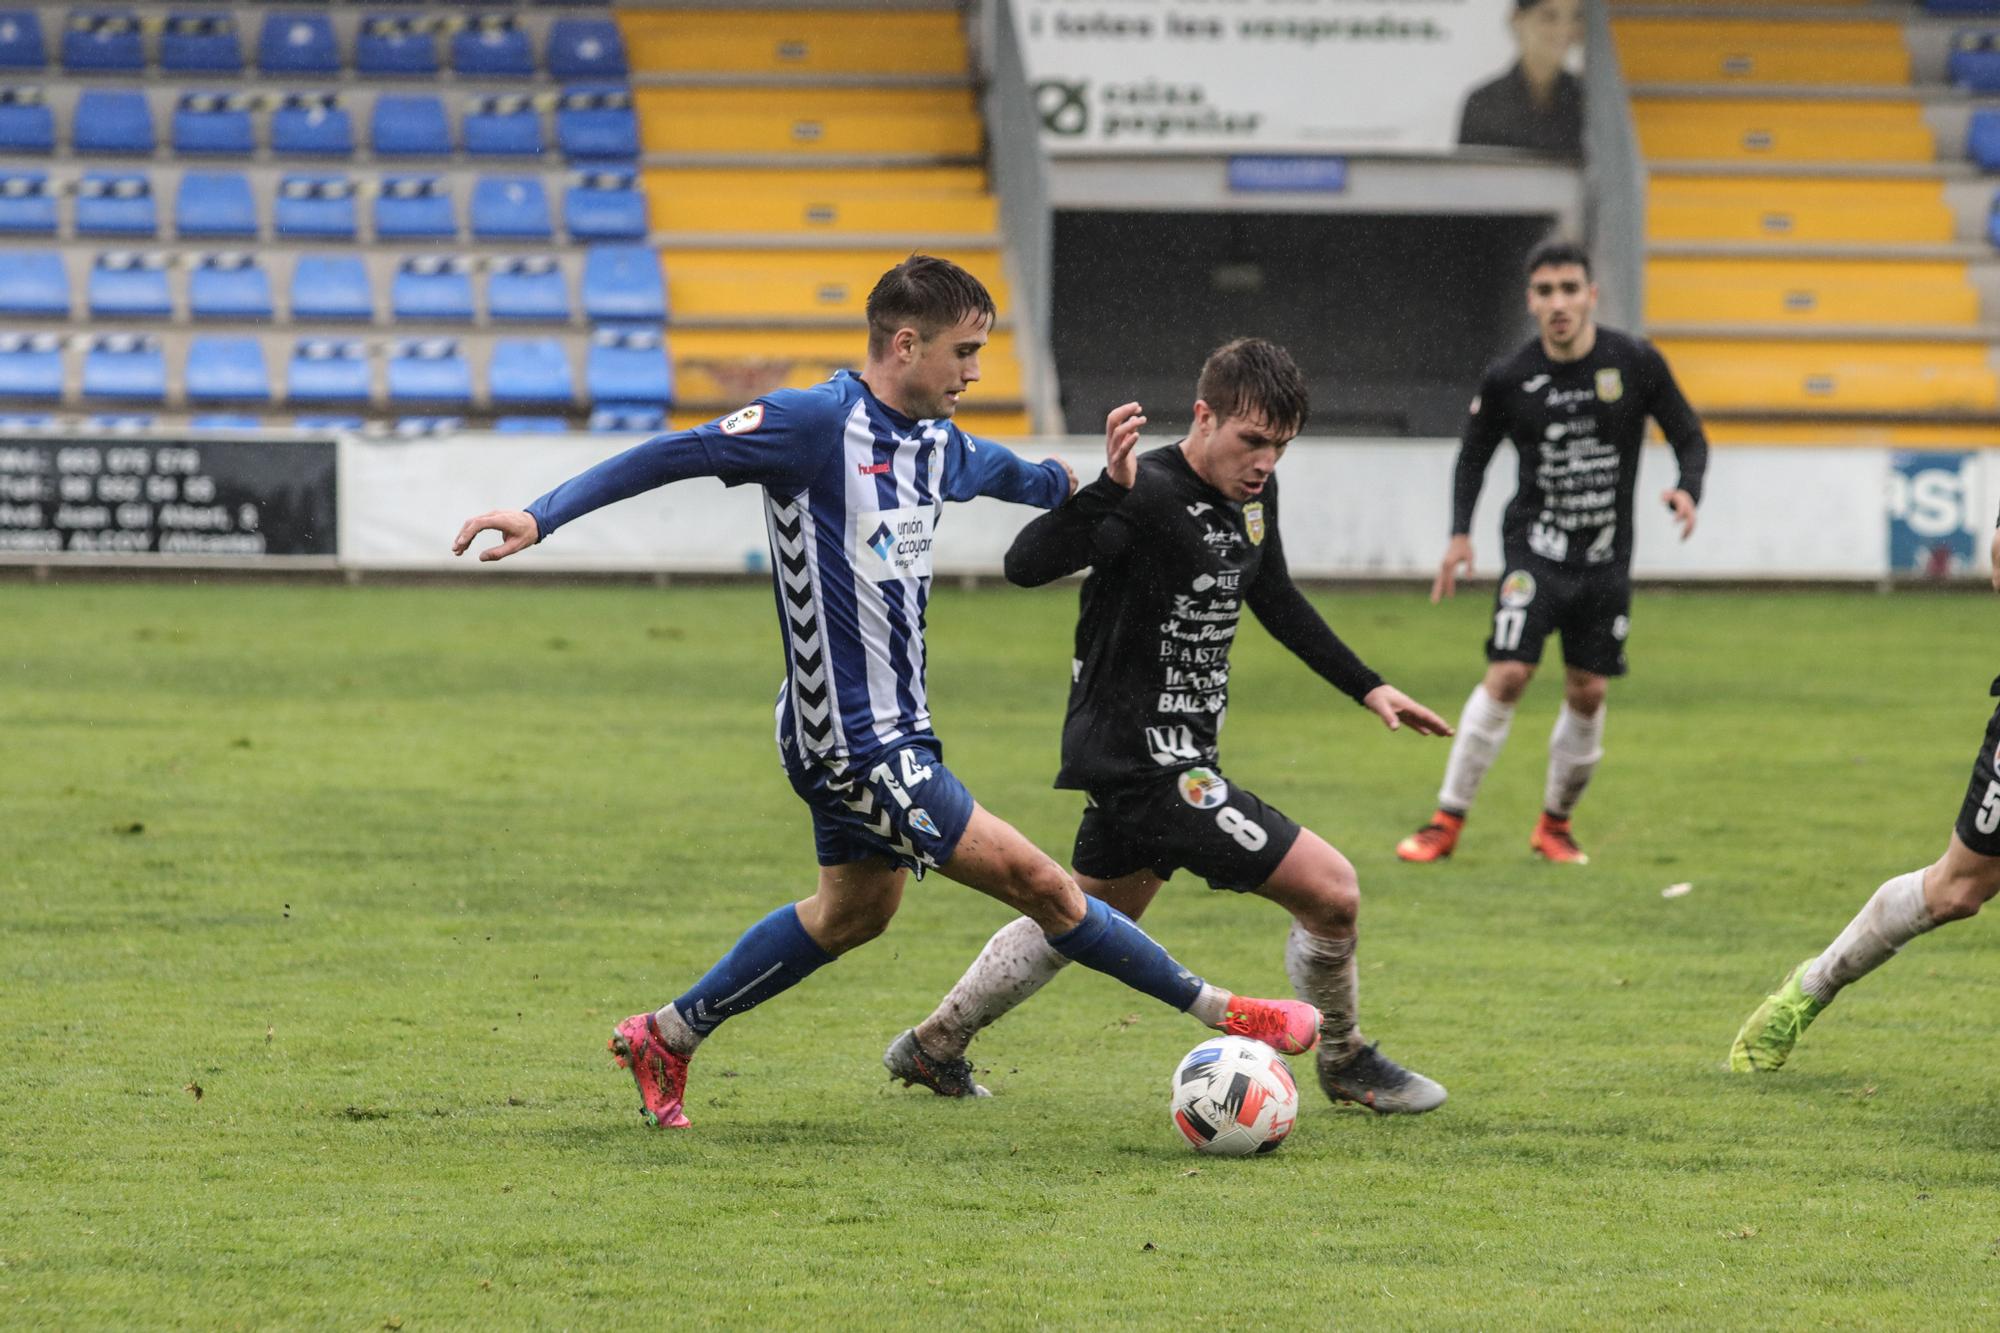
[{"x": 1248, "y": 833}]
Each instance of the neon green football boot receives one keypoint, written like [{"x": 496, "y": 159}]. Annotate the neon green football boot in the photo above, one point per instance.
[{"x": 1774, "y": 1026}]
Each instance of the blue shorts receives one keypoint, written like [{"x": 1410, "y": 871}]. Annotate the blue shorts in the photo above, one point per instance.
[{"x": 903, "y": 804}]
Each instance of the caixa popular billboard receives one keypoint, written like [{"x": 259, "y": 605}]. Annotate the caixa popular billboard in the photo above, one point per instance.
[{"x": 1937, "y": 521}]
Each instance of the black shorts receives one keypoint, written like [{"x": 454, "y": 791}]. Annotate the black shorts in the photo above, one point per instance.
[
  {"x": 1591, "y": 610},
  {"x": 1195, "y": 819},
  {"x": 1979, "y": 818}
]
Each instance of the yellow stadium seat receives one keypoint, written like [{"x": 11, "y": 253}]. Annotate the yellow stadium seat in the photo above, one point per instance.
[
  {"x": 764, "y": 206},
  {"x": 865, "y": 121},
  {"x": 1809, "y": 292},
  {"x": 1873, "y": 130},
  {"x": 810, "y": 41},
  {"x": 1879, "y": 435},
  {"x": 947, "y": 180},
  {"x": 1782, "y": 209},
  {"x": 765, "y": 284},
  {"x": 1721, "y": 375},
  {"x": 719, "y": 365},
  {"x": 1703, "y": 50}
]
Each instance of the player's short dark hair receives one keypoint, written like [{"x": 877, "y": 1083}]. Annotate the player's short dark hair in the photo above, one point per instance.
[
  {"x": 1557, "y": 254},
  {"x": 924, "y": 293},
  {"x": 1255, "y": 377}
]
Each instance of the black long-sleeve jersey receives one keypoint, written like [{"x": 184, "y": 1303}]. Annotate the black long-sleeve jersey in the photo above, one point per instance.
[
  {"x": 1577, "y": 427},
  {"x": 1173, "y": 562}
]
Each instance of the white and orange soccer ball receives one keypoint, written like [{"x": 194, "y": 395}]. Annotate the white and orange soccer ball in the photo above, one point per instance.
[{"x": 1233, "y": 1097}]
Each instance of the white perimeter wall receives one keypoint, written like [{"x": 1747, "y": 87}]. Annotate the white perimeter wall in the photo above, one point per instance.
[{"x": 1352, "y": 508}]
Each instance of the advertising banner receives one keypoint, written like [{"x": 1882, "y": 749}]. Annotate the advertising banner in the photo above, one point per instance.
[
  {"x": 1937, "y": 524},
  {"x": 1302, "y": 76}
]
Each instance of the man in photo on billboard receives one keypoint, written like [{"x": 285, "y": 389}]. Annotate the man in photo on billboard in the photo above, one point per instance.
[{"x": 1537, "y": 104}]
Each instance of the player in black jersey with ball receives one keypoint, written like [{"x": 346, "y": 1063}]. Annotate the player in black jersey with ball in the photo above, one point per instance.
[
  {"x": 1178, "y": 542},
  {"x": 1574, "y": 402}
]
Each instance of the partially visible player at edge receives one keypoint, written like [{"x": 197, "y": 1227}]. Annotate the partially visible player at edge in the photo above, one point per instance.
[
  {"x": 1952, "y": 888},
  {"x": 1574, "y": 401},
  {"x": 855, "y": 472},
  {"x": 1178, "y": 542}
]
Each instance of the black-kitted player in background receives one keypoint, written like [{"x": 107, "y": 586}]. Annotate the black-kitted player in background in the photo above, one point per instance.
[
  {"x": 1178, "y": 543},
  {"x": 1574, "y": 402}
]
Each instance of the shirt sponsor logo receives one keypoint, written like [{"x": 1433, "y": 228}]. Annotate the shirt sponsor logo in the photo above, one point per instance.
[
  {"x": 1610, "y": 385},
  {"x": 1197, "y": 510},
  {"x": 1529, "y": 386},
  {"x": 743, "y": 420},
  {"x": 1203, "y": 788},
  {"x": 893, "y": 543},
  {"x": 1517, "y": 589},
  {"x": 1203, "y": 582},
  {"x": 1171, "y": 745},
  {"x": 1253, "y": 521}
]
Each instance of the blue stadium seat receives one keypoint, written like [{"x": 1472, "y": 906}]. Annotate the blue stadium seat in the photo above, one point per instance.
[
  {"x": 227, "y": 370},
  {"x": 215, "y": 203},
  {"x": 417, "y": 428},
  {"x": 27, "y": 205},
  {"x": 331, "y": 287},
  {"x": 504, "y": 126},
  {"x": 21, "y": 44},
  {"x": 641, "y": 417},
  {"x": 597, "y": 123},
  {"x": 531, "y": 288},
  {"x": 295, "y": 43},
  {"x": 1982, "y": 139},
  {"x": 396, "y": 46},
  {"x": 26, "y": 423},
  {"x": 312, "y": 124},
  {"x": 327, "y": 423},
  {"x": 510, "y": 208},
  {"x": 437, "y": 287},
  {"x": 116, "y": 203},
  {"x": 127, "y": 285},
  {"x": 1962, "y": 8},
  {"x": 529, "y": 370},
  {"x": 428, "y": 370},
  {"x": 33, "y": 282},
  {"x": 224, "y": 420},
  {"x": 327, "y": 370},
  {"x": 624, "y": 282},
  {"x": 124, "y": 365},
  {"x": 314, "y": 205},
  {"x": 526, "y": 425},
  {"x": 196, "y": 43},
  {"x": 232, "y": 285},
  {"x": 214, "y": 123},
  {"x": 112, "y": 120},
  {"x": 26, "y": 123},
  {"x": 118, "y": 423},
  {"x": 629, "y": 365},
  {"x": 604, "y": 206},
  {"x": 409, "y": 125},
  {"x": 490, "y": 45},
  {"x": 412, "y": 207},
  {"x": 105, "y": 41},
  {"x": 1974, "y": 63},
  {"x": 31, "y": 365},
  {"x": 585, "y": 49},
  {"x": 1993, "y": 221}
]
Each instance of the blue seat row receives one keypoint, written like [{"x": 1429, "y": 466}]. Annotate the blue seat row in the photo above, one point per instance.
[
  {"x": 619, "y": 366},
  {"x": 97, "y": 41},
  {"x": 590, "y": 124},
  {"x": 605, "y": 205},
  {"x": 620, "y": 282},
  {"x": 1974, "y": 62},
  {"x": 617, "y": 417}
]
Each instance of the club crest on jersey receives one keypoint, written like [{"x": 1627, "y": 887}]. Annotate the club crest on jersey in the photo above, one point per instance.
[
  {"x": 1203, "y": 788},
  {"x": 1517, "y": 589},
  {"x": 1253, "y": 521},
  {"x": 1610, "y": 385},
  {"x": 743, "y": 420},
  {"x": 921, "y": 820}
]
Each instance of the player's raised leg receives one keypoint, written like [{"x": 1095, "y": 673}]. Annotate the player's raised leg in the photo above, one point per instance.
[
  {"x": 1956, "y": 887},
  {"x": 1482, "y": 730},
  {"x": 1575, "y": 747}
]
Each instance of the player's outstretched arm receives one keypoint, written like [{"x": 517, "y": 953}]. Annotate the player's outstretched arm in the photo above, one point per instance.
[
  {"x": 516, "y": 527},
  {"x": 1457, "y": 562},
  {"x": 1397, "y": 710}
]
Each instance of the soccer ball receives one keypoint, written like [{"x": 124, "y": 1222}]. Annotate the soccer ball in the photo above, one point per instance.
[{"x": 1233, "y": 1097}]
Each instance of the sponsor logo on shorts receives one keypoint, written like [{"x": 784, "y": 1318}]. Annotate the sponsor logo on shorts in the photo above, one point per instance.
[
  {"x": 920, "y": 819},
  {"x": 1610, "y": 385},
  {"x": 743, "y": 420},
  {"x": 1517, "y": 589},
  {"x": 1203, "y": 788},
  {"x": 1621, "y": 627},
  {"x": 1253, "y": 521}
]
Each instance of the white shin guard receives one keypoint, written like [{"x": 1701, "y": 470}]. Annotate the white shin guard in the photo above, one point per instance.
[
  {"x": 1575, "y": 746},
  {"x": 1482, "y": 730}
]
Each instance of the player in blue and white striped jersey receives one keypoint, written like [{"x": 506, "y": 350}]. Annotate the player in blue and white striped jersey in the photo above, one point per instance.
[{"x": 855, "y": 473}]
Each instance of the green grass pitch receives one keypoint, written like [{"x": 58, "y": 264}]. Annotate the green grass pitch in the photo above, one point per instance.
[{"x": 319, "y": 903}]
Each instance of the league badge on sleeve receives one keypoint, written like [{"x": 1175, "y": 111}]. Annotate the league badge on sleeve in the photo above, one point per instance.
[
  {"x": 1610, "y": 385},
  {"x": 1253, "y": 521}
]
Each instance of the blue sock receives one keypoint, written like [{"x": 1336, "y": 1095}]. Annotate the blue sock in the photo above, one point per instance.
[
  {"x": 773, "y": 955},
  {"x": 1109, "y": 942}
]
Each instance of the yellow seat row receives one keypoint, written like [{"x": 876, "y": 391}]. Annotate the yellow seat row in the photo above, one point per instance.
[
  {"x": 1809, "y": 292},
  {"x": 1669, "y": 50},
  {"x": 714, "y": 366},
  {"x": 1861, "y": 130},
  {"x": 813, "y": 203},
  {"x": 797, "y": 41},
  {"x": 765, "y": 284},
  {"x": 1875, "y": 434},
  {"x": 1722, "y": 375},
  {"x": 1806, "y": 211},
  {"x": 869, "y": 121}
]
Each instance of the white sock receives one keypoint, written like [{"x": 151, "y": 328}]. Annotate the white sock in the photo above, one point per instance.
[
  {"x": 1211, "y": 1006},
  {"x": 1575, "y": 746},
  {"x": 680, "y": 1038},
  {"x": 1323, "y": 974},
  {"x": 1016, "y": 962},
  {"x": 1482, "y": 730},
  {"x": 1896, "y": 915}
]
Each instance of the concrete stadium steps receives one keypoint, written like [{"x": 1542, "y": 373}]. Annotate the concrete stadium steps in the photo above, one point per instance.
[
  {"x": 1710, "y": 128},
  {"x": 828, "y": 43},
  {"x": 1736, "y": 376},
  {"x": 1680, "y": 50},
  {"x": 707, "y": 362},
  {"x": 1777, "y": 291},
  {"x": 1793, "y": 210},
  {"x": 795, "y": 285},
  {"x": 820, "y": 204},
  {"x": 861, "y": 122}
]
